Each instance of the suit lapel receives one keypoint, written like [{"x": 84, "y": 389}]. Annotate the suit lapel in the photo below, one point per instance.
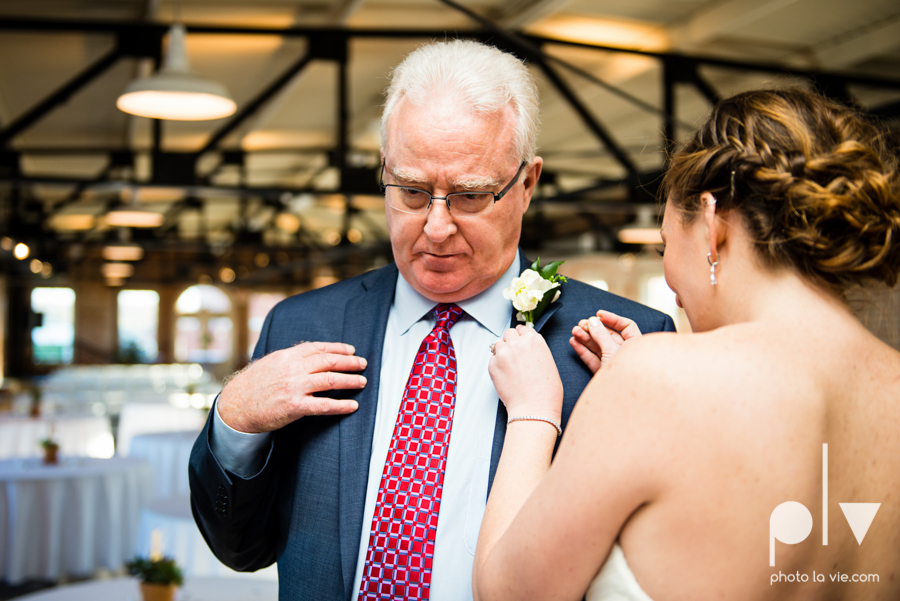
[{"x": 365, "y": 321}]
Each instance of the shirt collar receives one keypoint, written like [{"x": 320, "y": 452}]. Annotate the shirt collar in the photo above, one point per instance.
[{"x": 488, "y": 308}]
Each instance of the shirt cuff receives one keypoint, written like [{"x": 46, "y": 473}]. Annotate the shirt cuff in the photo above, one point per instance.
[{"x": 240, "y": 453}]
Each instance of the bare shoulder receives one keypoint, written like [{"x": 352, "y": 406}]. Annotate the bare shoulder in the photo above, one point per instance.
[{"x": 669, "y": 385}]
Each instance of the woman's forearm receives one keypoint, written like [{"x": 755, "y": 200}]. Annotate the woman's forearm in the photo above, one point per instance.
[{"x": 527, "y": 451}]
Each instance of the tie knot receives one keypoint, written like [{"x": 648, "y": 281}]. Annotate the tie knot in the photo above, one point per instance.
[{"x": 446, "y": 315}]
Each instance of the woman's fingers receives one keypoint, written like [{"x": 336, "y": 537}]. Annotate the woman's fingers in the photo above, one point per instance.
[
  {"x": 627, "y": 327},
  {"x": 583, "y": 324},
  {"x": 596, "y": 342},
  {"x": 587, "y": 356},
  {"x": 584, "y": 337}
]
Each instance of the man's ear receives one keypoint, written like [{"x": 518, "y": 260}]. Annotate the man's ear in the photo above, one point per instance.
[
  {"x": 532, "y": 175},
  {"x": 715, "y": 227}
]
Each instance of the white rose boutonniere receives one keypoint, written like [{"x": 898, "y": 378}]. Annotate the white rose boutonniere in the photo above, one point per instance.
[{"x": 530, "y": 292}]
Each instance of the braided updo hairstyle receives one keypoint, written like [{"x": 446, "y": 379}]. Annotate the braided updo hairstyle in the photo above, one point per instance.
[{"x": 816, "y": 184}]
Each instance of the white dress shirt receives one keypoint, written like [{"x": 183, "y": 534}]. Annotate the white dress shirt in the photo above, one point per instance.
[{"x": 464, "y": 495}]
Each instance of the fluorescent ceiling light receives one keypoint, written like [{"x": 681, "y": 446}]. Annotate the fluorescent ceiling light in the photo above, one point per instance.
[
  {"x": 123, "y": 252},
  {"x": 134, "y": 217},
  {"x": 644, "y": 230},
  {"x": 174, "y": 92}
]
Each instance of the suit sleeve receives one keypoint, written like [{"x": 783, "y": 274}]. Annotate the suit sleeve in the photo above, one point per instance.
[{"x": 236, "y": 514}]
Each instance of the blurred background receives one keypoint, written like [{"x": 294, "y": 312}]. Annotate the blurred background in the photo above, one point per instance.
[{"x": 140, "y": 252}]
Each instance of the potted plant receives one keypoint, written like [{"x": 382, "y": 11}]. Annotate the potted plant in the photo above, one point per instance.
[
  {"x": 159, "y": 577},
  {"x": 51, "y": 451}
]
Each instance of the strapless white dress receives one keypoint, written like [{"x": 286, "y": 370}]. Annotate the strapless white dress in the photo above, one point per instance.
[{"x": 615, "y": 582}]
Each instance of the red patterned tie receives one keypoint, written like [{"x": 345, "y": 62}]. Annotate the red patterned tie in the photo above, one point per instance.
[{"x": 401, "y": 543}]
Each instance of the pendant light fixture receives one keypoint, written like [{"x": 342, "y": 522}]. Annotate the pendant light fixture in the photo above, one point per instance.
[
  {"x": 174, "y": 92},
  {"x": 644, "y": 229},
  {"x": 131, "y": 214},
  {"x": 124, "y": 249}
]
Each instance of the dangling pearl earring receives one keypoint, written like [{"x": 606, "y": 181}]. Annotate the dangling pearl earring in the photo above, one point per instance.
[{"x": 712, "y": 268}]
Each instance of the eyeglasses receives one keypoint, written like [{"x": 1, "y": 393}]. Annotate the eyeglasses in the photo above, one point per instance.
[{"x": 460, "y": 204}]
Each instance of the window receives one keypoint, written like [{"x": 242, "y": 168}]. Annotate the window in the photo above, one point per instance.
[
  {"x": 138, "y": 323},
  {"x": 54, "y": 341},
  {"x": 260, "y": 305},
  {"x": 659, "y": 296},
  {"x": 203, "y": 329}
]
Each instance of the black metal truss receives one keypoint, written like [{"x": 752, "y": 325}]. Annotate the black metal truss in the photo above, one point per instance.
[{"x": 144, "y": 40}]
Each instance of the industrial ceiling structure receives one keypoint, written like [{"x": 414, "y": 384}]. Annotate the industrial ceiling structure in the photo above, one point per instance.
[{"x": 285, "y": 189}]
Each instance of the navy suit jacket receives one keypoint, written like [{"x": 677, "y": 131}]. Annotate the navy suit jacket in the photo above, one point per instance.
[{"x": 305, "y": 507}]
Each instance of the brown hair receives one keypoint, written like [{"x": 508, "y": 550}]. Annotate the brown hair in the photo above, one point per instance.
[{"x": 814, "y": 182}]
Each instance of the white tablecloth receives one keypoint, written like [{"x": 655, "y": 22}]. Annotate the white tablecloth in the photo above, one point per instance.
[
  {"x": 194, "y": 589},
  {"x": 72, "y": 518},
  {"x": 81, "y": 435},
  {"x": 149, "y": 418},
  {"x": 168, "y": 453},
  {"x": 182, "y": 540}
]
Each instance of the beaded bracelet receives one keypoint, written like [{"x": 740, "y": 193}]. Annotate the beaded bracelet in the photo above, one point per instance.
[{"x": 537, "y": 419}]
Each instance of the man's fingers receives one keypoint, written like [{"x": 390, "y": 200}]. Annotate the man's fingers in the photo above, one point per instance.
[
  {"x": 307, "y": 349},
  {"x": 329, "y": 380},
  {"x": 627, "y": 327},
  {"x": 325, "y": 406},
  {"x": 323, "y": 362}
]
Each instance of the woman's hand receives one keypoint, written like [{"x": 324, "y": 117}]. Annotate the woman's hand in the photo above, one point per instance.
[
  {"x": 597, "y": 339},
  {"x": 525, "y": 375}
]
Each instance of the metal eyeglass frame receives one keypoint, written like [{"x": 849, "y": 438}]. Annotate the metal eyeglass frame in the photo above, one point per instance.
[{"x": 431, "y": 198}]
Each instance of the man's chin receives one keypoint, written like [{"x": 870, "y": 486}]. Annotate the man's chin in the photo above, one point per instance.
[{"x": 444, "y": 287}]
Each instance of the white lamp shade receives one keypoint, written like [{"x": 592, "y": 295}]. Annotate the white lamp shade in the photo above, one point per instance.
[
  {"x": 117, "y": 270},
  {"x": 176, "y": 96},
  {"x": 175, "y": 93},
  {"x": 639, "y": 235}
]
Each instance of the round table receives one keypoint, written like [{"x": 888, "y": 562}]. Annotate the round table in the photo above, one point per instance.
[
  {"x": 71, "y": 518},
  {"x": 150, "y": 418},
  {"x": 194, "y": 589},
  {"x": 168, "y": 453},
  {"x": 83, "y": 435}
]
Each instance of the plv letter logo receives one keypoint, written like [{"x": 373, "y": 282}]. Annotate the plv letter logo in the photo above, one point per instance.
[{"x": 791, "y": 522}]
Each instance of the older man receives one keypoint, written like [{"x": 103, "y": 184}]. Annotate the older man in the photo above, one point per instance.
[{"x": 375, "y": 487}]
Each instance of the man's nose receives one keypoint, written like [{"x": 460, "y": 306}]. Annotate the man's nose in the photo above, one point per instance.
[{"x": 440, "y": 224}]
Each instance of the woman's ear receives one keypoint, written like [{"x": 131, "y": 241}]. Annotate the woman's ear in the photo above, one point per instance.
[{"x": 714, "y": 225}]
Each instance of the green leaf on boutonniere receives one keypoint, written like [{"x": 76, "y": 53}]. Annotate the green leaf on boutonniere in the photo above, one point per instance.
[{"x": 548, "y": 271}]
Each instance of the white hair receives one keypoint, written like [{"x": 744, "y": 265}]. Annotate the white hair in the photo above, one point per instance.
[{"x": 481, "y": 76}]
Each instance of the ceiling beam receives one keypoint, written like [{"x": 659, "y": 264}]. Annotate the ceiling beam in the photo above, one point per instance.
[
  {"x": 722, "y": 19},
  {"x": 342, "y": 11},
  {"x": 867, "y": 42},
  {"x": 522, "y": 14}
]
